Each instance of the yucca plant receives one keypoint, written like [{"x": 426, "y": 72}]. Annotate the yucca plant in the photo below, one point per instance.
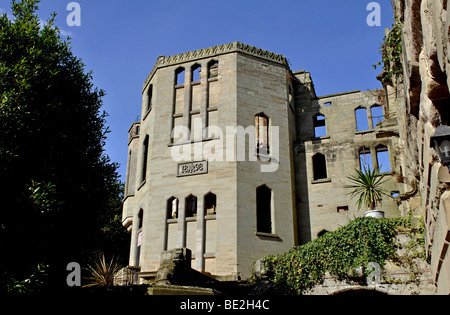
[
  {"x": 366, "y": 185},
  {"x": 102, "y": 272}
]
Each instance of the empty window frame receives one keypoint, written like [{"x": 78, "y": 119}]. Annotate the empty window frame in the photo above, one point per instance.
[
  {"x": 172, "y": 208},
  {"x": 376, "y": 112},
  {"x": 365, "y": 158},
  {"x": 140, "y": 220},
  {"x": 262, "y": 134},
  {"x": 191, "y": 206},
  {"x": 196, "y": 71},
  {"x": 362, "y": 123},
  {"x": 144, "y": 158},
  {"x": 383, "y": 162},
  {"x": 179, "y": 76},
  {"x": 263, "y": 209},
  {"x": 210, "y": 204},
  {"x": 320, "y": 129},
  {"x": 213, "y": 69},
  {"x": 319, "y": 166}
]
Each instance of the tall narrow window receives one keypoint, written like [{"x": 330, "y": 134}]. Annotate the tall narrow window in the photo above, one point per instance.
[
  {"x": 149, "y": 98},
  {"x": 139, "y": 237},
  {"x": 376, "y": 112},
  {"x": 180, "y": 75},
  {"x": 365, "y": 158},
  {"x": 262, "y": 134},
  {"x": 384, "y": 165},
  {"x": 196, "y": 70},
  {"x": 210, "y": 204},
  {"x": 263, "y": 209},
  {"x": 172, "y": 208},
  {"x": 319, "y": 166},
  {"x": 320, "y": 129},
  {"x": 191, "y": 206},
  {"x": 144, "y": 159},
  {"x": 362, "y": 123}
]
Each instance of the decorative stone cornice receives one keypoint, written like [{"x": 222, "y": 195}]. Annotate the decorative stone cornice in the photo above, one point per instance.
[{"x": 164, "y": 61}]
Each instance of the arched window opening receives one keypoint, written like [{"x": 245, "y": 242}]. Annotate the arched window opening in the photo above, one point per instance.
[
  {"x": 362, "y": 123},
  {"x": 140, "y": 219},
  {"x": 320, "y": 129},
  {"x": 191, "y": 206},
  {"x": 213, "y": 69},
  {"x": 319, "y": 166},
  {"x": 263, "y": 209},
  {"x": 144, "y": 159},
  {"x": 210, "y": 204},
  {"x": 365, "y": 158},
  {"x": 262, "y": 134},
  {"x": 196, "y": 71},
  {"x": 383, "y": 162},
  {"x": 180, "y": 76},
  {"x": 172, "y": 208},
  {"x": 149, "y": 98},
  {"x": 377, "y": 114}
]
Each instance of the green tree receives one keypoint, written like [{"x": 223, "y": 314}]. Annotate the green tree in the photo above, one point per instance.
[{"x": 57, "y": 184}]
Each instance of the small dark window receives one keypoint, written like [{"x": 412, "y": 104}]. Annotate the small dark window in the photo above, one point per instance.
[
  {"x": 263, "y": 209},
  {"x": 191, "y": 206},
  {"x": 210, "y": 204},
  {"x": 145, "y": 159},
  {"x": 342, "y": 209},
  {"x": 149, "y": 98},
  {"x": 319, "y": 166},
  {"x": 320, "y": 129}
]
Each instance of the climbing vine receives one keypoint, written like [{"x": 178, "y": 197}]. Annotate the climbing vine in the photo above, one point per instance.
[
  {"x": 391, "y": 54},
  {"x": 341, "y": 253}
]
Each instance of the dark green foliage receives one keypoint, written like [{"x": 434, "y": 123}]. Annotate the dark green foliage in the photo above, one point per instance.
[
  {"x": 58, "y": 188},
  {"x": 340, "y": 253}
]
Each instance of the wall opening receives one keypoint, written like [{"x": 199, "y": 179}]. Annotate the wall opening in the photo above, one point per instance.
[
  {"x": 320, "y": 129},
  {"x": 213, "y": 69},
  {"x": 262, "y": 134},
  {"x": 362, "y": 123},
  {"x": 210, "y": 204},
  {"x": 319, "y": 166},
  {"x": 377, "y": 114},
  {"x": 172, "y": 208},
  {"x": 365, "y": 158},
  {"x": 191, "y": 206},
  {"x": 144, "y": 158},
  {"x": 179, "y": 76},
  {"x": 196, "y": 71},
  {"x": 383, "y": 162},
  {"x": 149, "y": 98},
  {"x": 263, "y": 209}
]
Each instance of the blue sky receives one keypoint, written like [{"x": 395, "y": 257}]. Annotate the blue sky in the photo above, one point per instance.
[{"x": 121, "y": 40}]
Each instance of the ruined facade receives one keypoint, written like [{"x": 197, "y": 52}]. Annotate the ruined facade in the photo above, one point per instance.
[
  {"x": 236, "y": 157},
  {"x": 425, "y": 29}
]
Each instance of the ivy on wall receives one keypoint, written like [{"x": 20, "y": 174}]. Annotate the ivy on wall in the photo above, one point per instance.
[{"x": 341, "y": 253}]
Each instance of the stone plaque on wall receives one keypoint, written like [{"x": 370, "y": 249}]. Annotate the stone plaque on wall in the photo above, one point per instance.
[{"x": 192, "y": 168}]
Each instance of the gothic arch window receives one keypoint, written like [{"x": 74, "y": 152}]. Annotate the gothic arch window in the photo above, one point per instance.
[
  {"x": 196, "y": 71},
  {"x": 264, "y": 209},
  {"x": 383, "y": 162},
  {"x": 145, "y": 148},
  {"x": 362, "y": 123},
  {"x": 319, "y": 166},
  {"x": 179, "y": 76},
  {"x": 172, "y": 208},
  {"x": 320, "y": 129},
  {"x": 191, "y": 206},
  {"x": 149, "y": 96},
  {"x": 210, "y": 203},
  {"x": 139, "y": 223},
  {"x": 365, "y": 158},
  {"x": 213, "y": 69},
  {"x": 376, "y": 111},
  {"x": 262, "y": 134}
]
